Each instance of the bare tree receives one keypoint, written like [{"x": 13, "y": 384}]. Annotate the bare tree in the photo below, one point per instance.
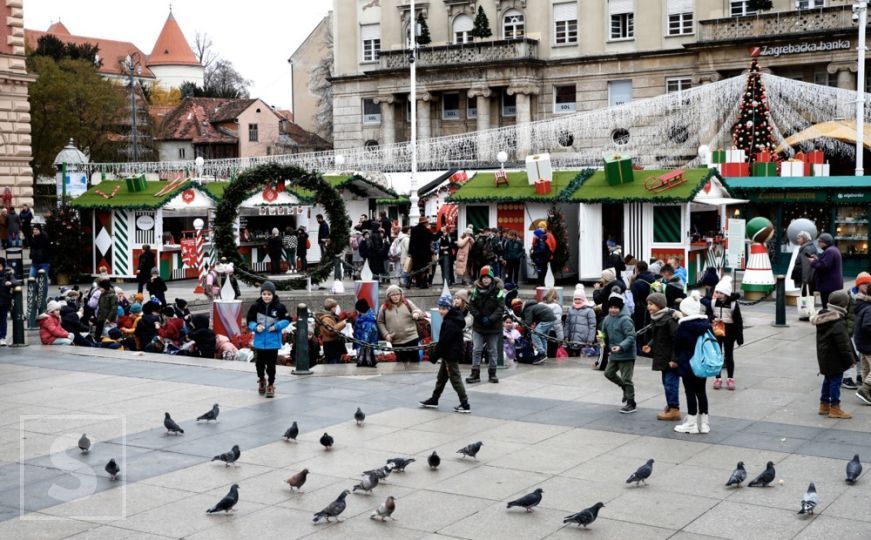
[
  {"x": 204, "y": 49},
  {"x": 319, "y": 84}
]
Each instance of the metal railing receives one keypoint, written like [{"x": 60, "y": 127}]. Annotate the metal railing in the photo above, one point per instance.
[{"x": 478, "y": 52}]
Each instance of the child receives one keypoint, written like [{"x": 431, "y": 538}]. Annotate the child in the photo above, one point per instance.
[
  {"x": 205, "y": 341},
  {"x": 691, "y": 326},
  {"x": 580, "y": 326},
  {"x": 726, "y": 314},
  {"x": 107, "y": 308},
  {"x": 6, "y": 291},
  {"x": 366, "y": 330},
  {"x": 862, "y": 333},
  {"x": 157, "y": 287},
  {"x": 835, "y": 353},
  {"x": 113, "y": 340},
  {"x": 661, "y": 350},
  {"x": 672, "y": 287},
  {"x": 330, "y": 323},
  {"x": 461, "y": 302},
  {"x": 620, "y": 340},
  {"x": 182, "y": 311},
  {"x": 50, "y": 330},
  {"x": 449, "y": 349},
  {"x": 171, "y": 330},
  {"x": 510, "y": 335},
  {"x": 267, "y": 317},
  {"x": 147, "y": 328}
]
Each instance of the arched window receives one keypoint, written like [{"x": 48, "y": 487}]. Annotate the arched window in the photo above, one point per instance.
[
  {"x": 463, "y": 25},
  {"x": 513, "y": 24}
]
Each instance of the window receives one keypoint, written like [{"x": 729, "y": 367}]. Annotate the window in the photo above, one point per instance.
[
  {"x": 739, "y": 8},
  {"x": 680, "y": 17},
  {"x": 513, "y": 24},
  {"x": 371, "y": 112},
  {"x": 370, "y": 34},
  {"x": 619, "y": 92},
  {"x": 450, "y": 106},
  {"x": 181, "y": 153},
  {"x": 677, "y": 84},
  {"x": 509, "y": 105},
  {"x": 564, "y": 99},
  {"x": 825, "y": 78},
  {"x": 565, "y": 23},
  {"x": 809, "y": 4},
  {"x": 252, "y": 133},
  {"x": 463, "y": 29},
  {"x": 471, "y": 108},
  {"x": 622, "y": 19},
  {"x": 620, "y": 137}
]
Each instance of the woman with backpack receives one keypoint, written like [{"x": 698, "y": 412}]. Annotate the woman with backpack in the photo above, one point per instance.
[
  {"x": 693, "y": 325},
  {"x": 397, "y": 322}
]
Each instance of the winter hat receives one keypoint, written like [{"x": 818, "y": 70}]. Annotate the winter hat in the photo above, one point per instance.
[
  {"x": 580, "y": 294},
  {"x": 863, "y": 278},
  {"x": 655, "y": 268},
  {"x": 539, "y": 233},
  {"x": 362, "y": 305},
  {"x": 54, "y": 305},
  {"x": 330, "y": 303},
  {"x": 138, "y": 297},
  {"x": 487, "y": 271},
  {"x": 611, "y": 244},
  {"x": 724, "y": 286},
  {"x": 616, "y": 300},
  {"x": 181, "y": 303},
  {"x": 609, "y": 275},
  {"x": 692, "y": 304},
  {"x": 394, "y": 289},
  {"x": 268, "y": 286},
  {"x": 155, "y": 271},
  {"x": 120, "y": 311},
  {"x": 463, "y": 295},
  {"x": 168, "y": 311},
  {"x": 827, "y": 239},
  {"x": 114, "y": 333},
  {"x": 275, "y": 231},
  {"x": 445, "y": 302},
  {"x": 136, "y": 308},
  {"x": 657, "y": 299},
  {"x": 149, "y": 308},
  {"x": 838, "y": 301}
]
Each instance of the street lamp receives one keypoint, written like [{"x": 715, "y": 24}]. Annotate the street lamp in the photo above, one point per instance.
[
  {"x": 860, "y": 15},
  {"x": 131, "y": 63},
  {"x": 414, "y": 210}
]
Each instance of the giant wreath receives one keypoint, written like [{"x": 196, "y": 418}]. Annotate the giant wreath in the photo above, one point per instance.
[{"x": 271, "y": 174}]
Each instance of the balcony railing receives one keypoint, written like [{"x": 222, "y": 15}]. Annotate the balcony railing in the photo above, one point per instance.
[
  {"x": 479, "y": 52},
  {"x": 766, "y": 25}
]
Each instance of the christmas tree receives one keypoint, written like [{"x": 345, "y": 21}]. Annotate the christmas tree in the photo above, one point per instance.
[
  {"x": 423, "y": 38},
  {"x": 482, "y": 25},
  {"x": 753, "y": 133},
  {"x": 557, "y": 226}
]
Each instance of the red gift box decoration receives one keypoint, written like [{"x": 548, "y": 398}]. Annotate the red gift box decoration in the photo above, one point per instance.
[
  {"x": 542, "y": 187},
  {"x": 763, "y": 156},
  {"x": 816, "y": 157},
  {"x": 734, "y": 170}
]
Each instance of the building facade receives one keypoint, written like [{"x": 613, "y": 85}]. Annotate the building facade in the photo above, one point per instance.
[
  {"x": 306, "y": 81},
  {"x": 551, "y": 57},
  {"x": 15, "y": 152}
]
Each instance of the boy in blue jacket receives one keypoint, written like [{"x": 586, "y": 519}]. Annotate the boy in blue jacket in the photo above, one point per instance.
[
  {"x": 620, "y": 340},
  {"x": 267, "y": 317}
]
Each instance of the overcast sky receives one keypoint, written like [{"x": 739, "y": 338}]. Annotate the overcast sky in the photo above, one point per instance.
[{"x": 258, "y": 36}]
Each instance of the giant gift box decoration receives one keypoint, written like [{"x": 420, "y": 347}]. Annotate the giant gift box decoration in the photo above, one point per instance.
[
  {"x": 542, "y": 187},
  {"x": 792, "y": 167},
  {"x": 821, "y": 169},
  {"x": 538, "y": 167},
  {"x": 736, "y": 164},
  {"x": 761, "y": 168},
  {"x": 618, "y": 169},
  {"x": 718, "y": 156},
  {"x": 135, "y": 184}
]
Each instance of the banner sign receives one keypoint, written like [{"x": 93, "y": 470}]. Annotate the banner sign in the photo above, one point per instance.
[{"x": 810, "y": 47}]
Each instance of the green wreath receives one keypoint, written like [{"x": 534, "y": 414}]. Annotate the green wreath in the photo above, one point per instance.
[{"x": 255, "y": 179}]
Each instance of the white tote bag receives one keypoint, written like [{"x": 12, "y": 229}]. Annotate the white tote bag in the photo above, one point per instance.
[{"x": 805, "y": 303}]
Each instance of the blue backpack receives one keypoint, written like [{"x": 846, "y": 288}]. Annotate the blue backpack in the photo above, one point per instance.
[{"x": 707, "y": 360}]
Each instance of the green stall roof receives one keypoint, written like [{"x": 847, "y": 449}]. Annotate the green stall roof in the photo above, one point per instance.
[
  {"x": 596, "y": 189},
  {"x": 482, "y": 188}
]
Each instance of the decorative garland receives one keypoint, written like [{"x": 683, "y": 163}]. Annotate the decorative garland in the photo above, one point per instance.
[{"x": 252, "y": 180}]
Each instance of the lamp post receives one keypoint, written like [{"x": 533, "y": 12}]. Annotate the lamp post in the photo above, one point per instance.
[
  {"x": 860, "y": 14},
  {"x": 414, "y": 211},
  {"x": 130, "y": 64}
]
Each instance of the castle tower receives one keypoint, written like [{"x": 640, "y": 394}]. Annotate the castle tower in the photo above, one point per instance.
[
  {"x": 15, "y": 153},
  {"x": 172, "y": 60}
]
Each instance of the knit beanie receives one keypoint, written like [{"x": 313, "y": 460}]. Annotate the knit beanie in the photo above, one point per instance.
[
  {"x": 487, "y": 271},
  {"x": 827, "y": 239},
  {"x": 114, "y": 333},
  {"x": 445, "y": 302},
  {"x": 657, "y": 299},
  {"x": 362, "y": 306},
  {"x": 724, "y": 286},
  {"x": 609, "y": 275},
  {"x": 136, "y": 308},
  {"x": 54, "y": 305},
  {"x": 462, "y": 294},
  {"x": 580, "y": 294},
  {"x": 838, "y": 301},
  {"x": 268, "y": 286},
  {"x": 863, "y": 278},
  {"x": 692, "y": 304},
  {"x": 616, "y": 300},
  {"x": 654, "y": 268},
  {"x": 393, "y": 289}
]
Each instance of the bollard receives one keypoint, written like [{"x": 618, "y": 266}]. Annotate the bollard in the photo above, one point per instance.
[
  {"x": 32, "y": 305},
  {"x": 18, "y": 318},
  {"x": 14, "y": 261},
  {"x": 500, "y": 354},
  {"x": 42, "y": 291},
  {"x": 300, "y": 345},
  {"x": 780, "y": 303}
]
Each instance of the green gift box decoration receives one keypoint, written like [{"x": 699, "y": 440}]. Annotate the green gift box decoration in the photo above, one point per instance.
[
  {"x": 763, "y": 169},
  {"x": 135, "y": 184},
  {"x": 618, "y": 170},
  {"x": 718, "y": 156}
]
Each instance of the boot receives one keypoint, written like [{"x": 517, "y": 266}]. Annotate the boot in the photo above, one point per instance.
[
  {"x": 824, "y": 409},
  {"x": 689, "y": 425},
  {"x": 704, "y": 424},
  {"x": 491, "y": 372},
  {"x": 270, "y": 391},
  {"x": 261, "y": 386},
  {"x": 475, "y": 376},
  {"x": 670, "y": 414},
  {"x": 836, "y": 412}
]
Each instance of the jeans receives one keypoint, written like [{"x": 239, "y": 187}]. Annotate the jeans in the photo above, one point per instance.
[
  {"x": 14, "y": 239},
  {"x": 450, "y": 370},
  {"x": 493, "y": 342},
  {"x": 671, "y": 384},
  {"x": 624, "y": 380},
  {"x": 538, "y": 341},
  {"x": 34, "y": 268},
  {"x": 447, "y": 270},
  {"x": 290, "y": 254},
  {"x": 831, "y": 390},
  {"x": 4, "y": 312}
]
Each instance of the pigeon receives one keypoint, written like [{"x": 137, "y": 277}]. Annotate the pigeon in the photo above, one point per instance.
[
  {"x": 765, "y": 478},
  {"x": 810, "y": 500},
  {"x": 585, "y": 516},
  {"x": 292, "y": 432},
  {"x": 380, "y": 473},
  {"x": 171, "y": 426},
  {"x": 854, "y": 469},
  {"x": 84, "y": 443},
  {"x": 434, "y": 460},
  {"x": 642, "y": 474},
  {"x": 738, "y": 475},
  {"x": 385, "y": 509},
  {"x": 367, "y": 484},
  {"x": 528, "y": 501},
  {"x": 228, "y": 502},
  {"x": 211, "y": 415},
  {"x": 471, "y": 450},
  {"x": 297, "y": 480},
  {"x": 399, "y": 464},
  {"x": 229, "y": 458},
  {"x": 113, "y": 469},
  {"x": 359, "y": 416},
  {"x": 326, "y": 441},
  {"x": 333, "y": 509}
]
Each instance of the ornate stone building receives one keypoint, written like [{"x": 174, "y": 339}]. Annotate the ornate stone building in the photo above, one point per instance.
[
  {"x": 15, "y": 155},
  {"x": 552, "y": 57}
]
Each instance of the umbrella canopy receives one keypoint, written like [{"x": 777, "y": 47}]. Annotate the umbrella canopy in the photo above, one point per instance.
[{"x": 842, "y": 130}]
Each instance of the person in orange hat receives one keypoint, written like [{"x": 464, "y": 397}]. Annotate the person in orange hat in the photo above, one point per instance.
[{"x": 862, "y": 333}]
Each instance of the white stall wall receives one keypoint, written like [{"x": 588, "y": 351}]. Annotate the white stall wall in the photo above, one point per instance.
[{"x": 589, "y": 241}]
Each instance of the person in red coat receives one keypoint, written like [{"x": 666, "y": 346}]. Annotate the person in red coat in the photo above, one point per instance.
[
  {"x": 50, "y": 330},
  {"x": 172, "y": 328}
]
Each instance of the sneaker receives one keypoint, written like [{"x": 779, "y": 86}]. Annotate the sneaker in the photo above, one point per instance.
[
  {"x": 261, "y": 386},
  {"x": 270, "y": 391},
  {"x": 849, "y": 384},
  {"x": 718, "y": 383},
  {"x": 3, "y": 342},
  {"x": 629, "y": 408},
  {"x": 539, "y": 360},
  {"x": 431, "y": 403},
  {"x": 463, "y": 408},
  {"x": 730, "y": 384},
  {"x": 864, "y": 395}
]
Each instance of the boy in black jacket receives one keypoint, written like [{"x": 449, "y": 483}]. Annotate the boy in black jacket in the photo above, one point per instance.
[
  {"x": 660, "y": 348},
  {"x": 157, "y": 287},
  {"x": 450, "y": 349},
  {"x": 835, "y": 353}
]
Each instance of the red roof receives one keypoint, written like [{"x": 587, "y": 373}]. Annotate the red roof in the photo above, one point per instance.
[
  {"x": 111, "y": 52},
  {"x": 58, "y": 29},
  {"x": 193, "y": 120},
  {"x": 171, "y": 47}
]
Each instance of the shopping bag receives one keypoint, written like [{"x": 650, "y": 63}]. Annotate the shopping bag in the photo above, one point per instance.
[{"x": 805, "y": 303}]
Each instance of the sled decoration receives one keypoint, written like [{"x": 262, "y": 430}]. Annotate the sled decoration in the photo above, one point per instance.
[
  {"x": 658, "y": 184},
  {"x": 170, "y": 186}
]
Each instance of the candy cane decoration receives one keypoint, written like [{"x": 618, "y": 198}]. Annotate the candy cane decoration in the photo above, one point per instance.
[{"x": 198, "y": 225}]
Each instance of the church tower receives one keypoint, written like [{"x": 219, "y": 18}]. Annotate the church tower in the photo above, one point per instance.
[
  {"x": 172, "y": 60},
  {"x": 15, "y": 153}
]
